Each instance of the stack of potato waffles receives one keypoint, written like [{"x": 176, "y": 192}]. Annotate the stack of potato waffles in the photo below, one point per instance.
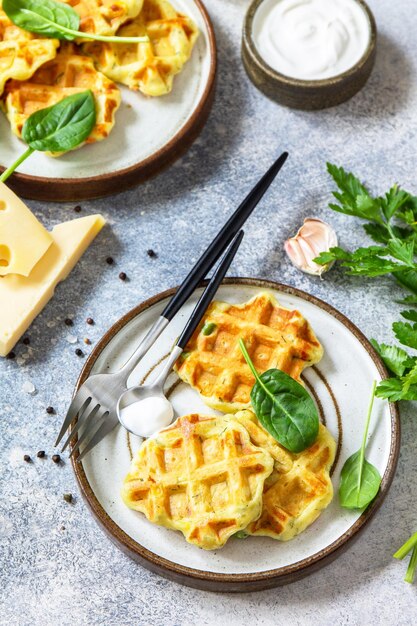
[
  {"x": 36, "y": 72},
  {"x": 213, "y": 476}
]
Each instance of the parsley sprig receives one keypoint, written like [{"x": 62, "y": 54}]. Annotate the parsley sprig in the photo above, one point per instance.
[{"x": 391, "y": 221}]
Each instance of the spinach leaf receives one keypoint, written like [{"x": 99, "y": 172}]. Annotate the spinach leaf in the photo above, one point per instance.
[
  {"x": 54, "y": 19},
  {"x": 359, "y": 479},
  {"x": 58, "y": 128},
  {"x": 284, "y": 407},
  {"x": 45, "y": 17},
  {"x": 63, "y": 126}
]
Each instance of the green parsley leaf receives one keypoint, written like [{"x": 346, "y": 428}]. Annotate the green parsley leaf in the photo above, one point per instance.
[
  {"x": 402, "y": 250},
  {"x": 408, "y": 279},
  {"x": 396, "y": 359},
  {"x": 411, "y": 315},
  {"x": 406, "y": 334},
  {"x": 392, "y": 389},
  {"x": 354, "y": 198},
  {"x": 408, "y": 300},
  {"x": 393, "y": 200}
]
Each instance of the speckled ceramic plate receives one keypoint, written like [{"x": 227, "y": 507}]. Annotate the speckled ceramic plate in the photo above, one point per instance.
[
  {"x": 149, "y": 133},
  {"x": 340, "y": 384}
]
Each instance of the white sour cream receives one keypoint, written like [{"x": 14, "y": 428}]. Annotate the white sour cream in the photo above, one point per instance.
[
  {"x": 311, "y": 39},
  {"x": 145, "y": 417}
]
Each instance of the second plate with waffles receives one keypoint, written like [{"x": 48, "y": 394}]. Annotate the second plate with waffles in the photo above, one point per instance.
[
  {"x": 291, "y": 537},
  {"x": 152, "y": 98}
]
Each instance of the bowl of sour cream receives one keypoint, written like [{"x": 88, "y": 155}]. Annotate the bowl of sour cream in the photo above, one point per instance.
[{"x": 309, "y": 54}]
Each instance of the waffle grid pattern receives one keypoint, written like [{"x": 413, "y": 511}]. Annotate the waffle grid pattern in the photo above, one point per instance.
[
  {"x": 201, "y": 476},
  {"x": 274, "y": 337},
  {"x": 298, "y": 489},
  {"x": 21, "y": 53},
  {"x": 148, "y": 67},
  {"x": 65, "y": 75},
  {"x": 104, "y": 17}
]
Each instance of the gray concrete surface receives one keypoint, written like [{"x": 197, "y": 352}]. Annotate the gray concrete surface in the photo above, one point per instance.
[{"x": 56, "y": 565}]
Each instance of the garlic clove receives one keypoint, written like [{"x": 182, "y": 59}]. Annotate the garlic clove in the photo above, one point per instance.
[{"x": 314, "y": 237}]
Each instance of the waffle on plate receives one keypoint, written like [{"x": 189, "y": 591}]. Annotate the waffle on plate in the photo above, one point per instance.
[
  {"x": 65, "y": 75},
  {"x": 298, "y": 489},
  {"x": 21, "y": 53},
  {"x": 103, "y": 17},
  {"x": 275, "y": 337},
  {"x": 148, "y": 67},
  {"x": 201, "y": 476}
]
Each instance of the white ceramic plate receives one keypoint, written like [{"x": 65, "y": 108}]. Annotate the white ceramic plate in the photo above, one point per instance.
[
  {"x": 342, "y": 384},
  {"x": 149, "y": 132}
]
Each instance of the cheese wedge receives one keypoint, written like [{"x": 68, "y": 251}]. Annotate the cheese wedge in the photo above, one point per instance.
[
  {"x": 22, "y": 298},
  {"x": 23, "y": 239}
]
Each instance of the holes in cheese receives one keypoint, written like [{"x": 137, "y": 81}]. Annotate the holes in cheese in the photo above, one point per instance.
[
  {"x": 23, "y": 239},
  {"x": 22, "y": 298},
  {"x": 4, "y": 256}
]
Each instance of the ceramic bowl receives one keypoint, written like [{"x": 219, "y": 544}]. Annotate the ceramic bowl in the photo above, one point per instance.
[{"x": 305, "y": 94}]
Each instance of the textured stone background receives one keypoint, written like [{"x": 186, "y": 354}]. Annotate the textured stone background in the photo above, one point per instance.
[{"x": 76, "y": 576}]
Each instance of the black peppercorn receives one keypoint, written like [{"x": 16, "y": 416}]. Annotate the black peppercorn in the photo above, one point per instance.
[
  {"x": 90, "y": 321},
  {"x": 41, "y": 454},
  {"x": 50, "y": 410},
  {"x": 122, "y": 276},
  {"x": 26, "y": 341},
  {"x": 77, "y": 209},
  {"x": 79, "y": 352},
  {"x": 68, "y": 322},
  {"x": 110, "y": 260},
  {"x": 11, "y": 355},
  {"x": 56, "y": 458},
  {"x": 27, "y": 458},
  {"x": 151, "y": 253}
]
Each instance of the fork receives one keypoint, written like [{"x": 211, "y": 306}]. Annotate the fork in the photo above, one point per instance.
[{"x": 96, "y": 400}]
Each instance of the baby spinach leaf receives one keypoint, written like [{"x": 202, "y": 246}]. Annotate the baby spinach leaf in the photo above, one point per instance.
[
  {"x": 54, "y": 19},
  {"x": 58, "y": 128},
  {"x": 284, "y": 407},
  {"x": 359, "y": 482},
  {"x": 359, "y": 479},
  {"x": 44, "y": 17},
  {"x": 63, "y": 126}
]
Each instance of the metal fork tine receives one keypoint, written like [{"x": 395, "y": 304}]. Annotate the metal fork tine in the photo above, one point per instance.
[
  {"x": 89, "y": 430},
  {"x": 102, "y": 432},
  {"x": 78, "y": 403},
  {"x": 82, "y": 418}
]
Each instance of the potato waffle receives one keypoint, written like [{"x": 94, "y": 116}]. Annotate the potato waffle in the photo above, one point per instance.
[
  {"x": 21, "y": 53},
  {"x": 275, "y": 338},
  {"x": 103, "y": 17},
  {"x": 298, "y": 489},
  {"x": 148, "y": 67},
  {"x": 67, "y": 74},
  {"x": 201, "y": 476}
]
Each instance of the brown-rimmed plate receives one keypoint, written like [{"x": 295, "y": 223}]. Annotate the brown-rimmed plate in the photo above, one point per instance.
[
  {"x": 149, "y": 133},
  {"x": 341, "y": 385}
]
